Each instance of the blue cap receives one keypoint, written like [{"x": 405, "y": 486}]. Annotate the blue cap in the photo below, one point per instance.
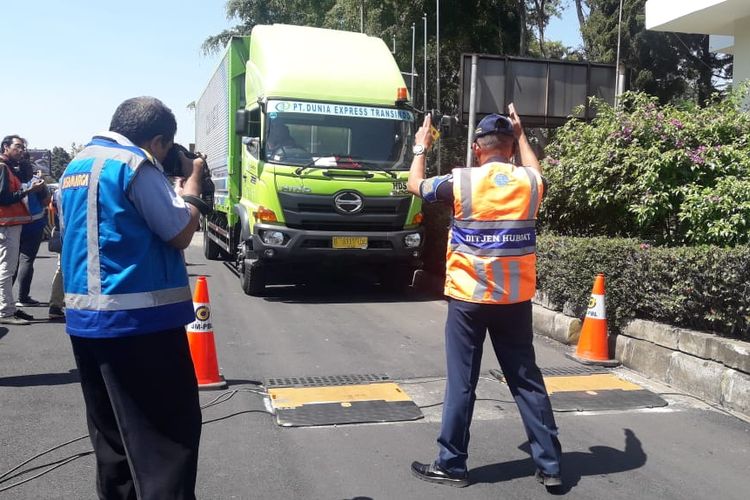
[{"x": 494, "y": 124}]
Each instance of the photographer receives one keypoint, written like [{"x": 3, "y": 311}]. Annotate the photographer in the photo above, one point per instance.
[
  {"x": 31, "y": 234},
  {"x": 127, "y": 300}
]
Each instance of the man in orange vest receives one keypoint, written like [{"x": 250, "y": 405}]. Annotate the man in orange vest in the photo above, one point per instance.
[
  {"x": 490, "y": 280},
  {"x": 13, "y": 213}
]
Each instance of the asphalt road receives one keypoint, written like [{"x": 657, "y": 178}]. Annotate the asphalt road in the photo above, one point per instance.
[{"x": 345, "y": 325}]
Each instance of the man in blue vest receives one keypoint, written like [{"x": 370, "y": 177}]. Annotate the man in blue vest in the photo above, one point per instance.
[
  {"x": 490, "y": 280},
  {"x": 31, "y": 234},
  {"x": 127, "y": 300}
]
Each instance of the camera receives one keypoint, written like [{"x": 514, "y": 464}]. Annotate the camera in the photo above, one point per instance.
[{"x": 173, "y": 168}]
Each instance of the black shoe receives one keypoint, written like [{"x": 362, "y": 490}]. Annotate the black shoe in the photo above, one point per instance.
[
  {"x": 56, "y": 313},
  {"x": 22, "y": 315},
  {"x": 27, "y": 302},
  {"x": 17, "y": 318},
  {"x": 553, "y": 483},
  {"x": 433, "y": 473}
]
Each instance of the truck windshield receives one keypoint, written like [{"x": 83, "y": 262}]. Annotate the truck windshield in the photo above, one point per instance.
[{"x": 336, "y": 135}]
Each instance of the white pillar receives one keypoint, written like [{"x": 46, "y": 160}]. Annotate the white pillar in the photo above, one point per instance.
[{"x": 741, "y": 50}]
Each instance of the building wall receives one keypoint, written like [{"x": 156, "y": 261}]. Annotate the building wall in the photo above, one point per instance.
[{"x": 742, "y": 50}]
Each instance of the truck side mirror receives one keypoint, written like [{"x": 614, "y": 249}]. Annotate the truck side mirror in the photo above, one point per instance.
[
  {"x": 247, "y": 122},
  {"x": 449, "y": 126}
]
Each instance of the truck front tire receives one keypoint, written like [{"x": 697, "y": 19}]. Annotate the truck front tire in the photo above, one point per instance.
[
  {"x": 211, "y": 250},
  {"x": 252, "y": 278}
]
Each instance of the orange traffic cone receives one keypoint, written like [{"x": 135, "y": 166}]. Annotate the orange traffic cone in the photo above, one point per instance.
[
  {"x": 592, "y": 344},
  {"x": 200, "y": 335}
]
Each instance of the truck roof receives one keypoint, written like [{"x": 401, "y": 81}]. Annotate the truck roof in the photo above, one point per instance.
[{"x": 298, "y": 62}]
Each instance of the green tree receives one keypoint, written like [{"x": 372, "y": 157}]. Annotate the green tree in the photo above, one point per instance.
[
  {"x": 538, "y": 15},
  {"x": 671, "y": 66},
  {"x": 60, "y": 160}
]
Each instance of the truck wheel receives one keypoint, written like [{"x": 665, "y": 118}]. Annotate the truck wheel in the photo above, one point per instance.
[
  {"x": 252, "y": 279},
  {"x": 396, "y": 279},
  {"x": 211, "y": 250}
]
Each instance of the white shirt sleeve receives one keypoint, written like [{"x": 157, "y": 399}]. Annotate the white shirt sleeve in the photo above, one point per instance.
[{"x": 165, "y": 213}]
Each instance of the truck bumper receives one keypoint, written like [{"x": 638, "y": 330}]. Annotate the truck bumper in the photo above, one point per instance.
[{"x": 313, "y": 246}]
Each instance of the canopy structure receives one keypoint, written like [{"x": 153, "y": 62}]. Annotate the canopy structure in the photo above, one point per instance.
[{"x": 727, "y": 21}]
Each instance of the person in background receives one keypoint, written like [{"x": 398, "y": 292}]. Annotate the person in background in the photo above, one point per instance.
[
  {"x": 490, "y": 280},
  {"x": 32, "y": 233},
  {"x": 57, "y": 295},
  {"x": 280, "y": 142},
  {"x": 13, "y": 214},
  {"x": 127, "y": 301}
]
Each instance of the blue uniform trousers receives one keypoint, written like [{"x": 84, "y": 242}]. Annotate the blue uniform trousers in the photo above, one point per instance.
[{"x": 511, "y": 335}]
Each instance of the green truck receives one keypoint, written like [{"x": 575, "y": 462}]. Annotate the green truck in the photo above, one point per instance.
[{"x": 308, "y": 134}]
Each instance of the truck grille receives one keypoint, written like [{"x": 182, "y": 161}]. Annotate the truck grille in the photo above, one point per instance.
[{"x": 317, "y": 213}]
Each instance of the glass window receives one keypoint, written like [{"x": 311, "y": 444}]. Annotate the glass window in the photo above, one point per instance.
[{"x": 339, "y": 140}]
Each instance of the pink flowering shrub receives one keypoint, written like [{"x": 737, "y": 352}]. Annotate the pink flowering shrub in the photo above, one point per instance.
[{"x": 667, "y": 174}]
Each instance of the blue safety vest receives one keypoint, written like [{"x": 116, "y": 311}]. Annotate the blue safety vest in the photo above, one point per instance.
[{"x": 121, "y": 279}]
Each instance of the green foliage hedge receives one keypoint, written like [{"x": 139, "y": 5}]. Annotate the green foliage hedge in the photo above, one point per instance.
[{"x": 701, "y": 288}]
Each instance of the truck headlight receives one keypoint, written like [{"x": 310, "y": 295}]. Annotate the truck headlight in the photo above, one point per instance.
[
  {"x": 412, "y": 240},
  {"x": 272, "y": 237}
]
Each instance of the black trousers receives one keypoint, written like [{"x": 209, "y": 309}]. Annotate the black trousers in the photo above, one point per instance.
[
  {"x": 512, "y": 338},
  {"x": 30, "y": 243},
  {"x": 143, "y": 414}
]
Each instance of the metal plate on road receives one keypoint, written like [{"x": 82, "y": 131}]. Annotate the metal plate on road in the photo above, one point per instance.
[
  {"x": 326, "y": 380},
  {"x": 614, "y": 399},
  {"x": 342, "y": 404},
  {"x": 585, "y": 389},
  {"x": 359, "y": 242}
]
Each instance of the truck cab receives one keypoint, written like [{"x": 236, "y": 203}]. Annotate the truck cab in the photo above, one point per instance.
[{"x": 313, "y": 157}]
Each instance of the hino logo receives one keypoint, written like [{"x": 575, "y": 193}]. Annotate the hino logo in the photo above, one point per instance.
[
  {"x": 348, "y": 202},
  {"x": 295, "y": 189}
]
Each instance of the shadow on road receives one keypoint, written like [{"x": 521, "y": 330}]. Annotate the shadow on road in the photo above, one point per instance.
[
  {"x": 599, "y": 461},
  {"x": 342, "y": 293},
  {"x": 343, "y": 286},
  {"x": 40, "y": 379},
  {"x": 3, "y": 332}
]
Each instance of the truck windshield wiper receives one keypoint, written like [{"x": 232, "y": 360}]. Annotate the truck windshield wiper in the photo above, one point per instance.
[{"x": 298, "y": 171}]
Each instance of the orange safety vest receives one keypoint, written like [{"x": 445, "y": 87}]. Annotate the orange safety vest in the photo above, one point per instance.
[
  {"x": 492, "y": 242},
  {"x": 16, "y": 213}
]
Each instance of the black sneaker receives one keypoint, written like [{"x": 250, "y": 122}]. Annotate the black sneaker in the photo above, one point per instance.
[
  {"x": 56, "y": 313},
  {"x": 17, "y": 318},
  {"x": 22, "y": 315},
  {"x": 553, "y": 483},
  {"x": 433, "y": 473},
  {"x": 27, "y": 302}
]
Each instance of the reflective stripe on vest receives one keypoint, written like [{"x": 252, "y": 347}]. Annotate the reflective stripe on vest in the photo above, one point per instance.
[
  {"x": 492, "y": 242},
  {"x": 16, "y": 213}
]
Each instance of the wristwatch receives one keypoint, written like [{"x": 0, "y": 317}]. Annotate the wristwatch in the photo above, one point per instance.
[{"x": 418, "y": 149}]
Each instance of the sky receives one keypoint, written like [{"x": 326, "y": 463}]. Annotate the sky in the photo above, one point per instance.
[
  {"x": 69, "y": 63},
  {"x": 565, "y": 28}
]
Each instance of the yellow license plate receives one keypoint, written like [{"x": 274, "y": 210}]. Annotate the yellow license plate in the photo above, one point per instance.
[{"x": 349, "y": 242}]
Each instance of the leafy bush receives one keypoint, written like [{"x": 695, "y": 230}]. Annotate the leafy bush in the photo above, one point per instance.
[
  {"x": 702, "y": 287},
  {"x": 660, "y": 173}
]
